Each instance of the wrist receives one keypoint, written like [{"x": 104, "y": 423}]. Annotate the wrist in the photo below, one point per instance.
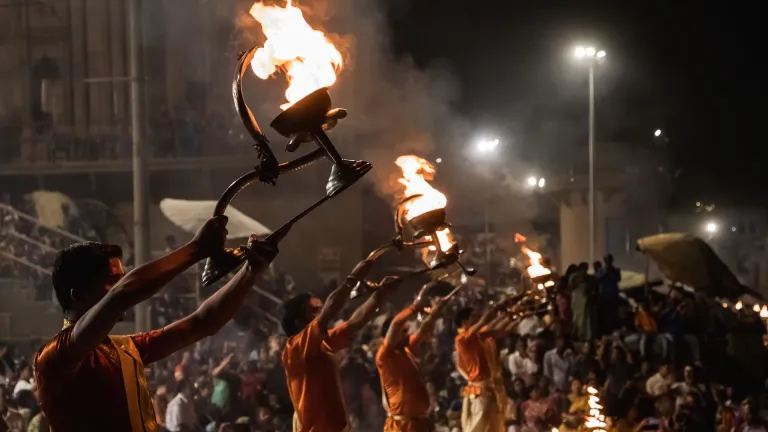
[{"x": 196, "y": 249}]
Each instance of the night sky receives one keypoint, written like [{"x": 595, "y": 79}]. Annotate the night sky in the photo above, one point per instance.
[{"x": 688, "y": 67}]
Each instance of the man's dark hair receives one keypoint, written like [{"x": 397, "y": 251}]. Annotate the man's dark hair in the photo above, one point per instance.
[
  {"x": 462, "y": 315},
  {"x": 293, "y": 309},
  {"x": 385, "y": 326},
  {"x": 79, "y": 266}
]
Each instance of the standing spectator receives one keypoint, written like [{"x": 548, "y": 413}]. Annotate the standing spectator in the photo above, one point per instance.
[
  {"x": 586, "y": 363},
  {"x": 520, "y": 363},
  {"x": 558, "y": 364},
  {"x": 687, "y": 386},
  {"x": 608, "y": 278},
  {"x": 180, "y": 415},
  {"x": 580, "y": 294},
  {"x": 563, "y": 300},
  {"x": 10, "y": 419},
  {"x": 660, "y": 382},
  {"x": 25, "y": 382}
]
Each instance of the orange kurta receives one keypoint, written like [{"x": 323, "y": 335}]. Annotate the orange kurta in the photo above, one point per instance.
[
  {"x": 313, "y": 377},
  {"x": 87, "y": 393},
  {"x": 477, "y": 359},
  {"x": 403, "y": 389}
]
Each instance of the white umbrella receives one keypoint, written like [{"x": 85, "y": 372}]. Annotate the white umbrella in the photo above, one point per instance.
[{"x": 190, "y": 216}]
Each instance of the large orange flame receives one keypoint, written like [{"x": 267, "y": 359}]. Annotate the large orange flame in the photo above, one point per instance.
[
  {"x": 310, "y": 61},
  {"x": 416, "y": 175},
  {"x": 536, "y": 269}
]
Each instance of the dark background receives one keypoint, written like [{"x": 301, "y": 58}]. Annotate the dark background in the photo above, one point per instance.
[{"x": 693, "y": 69}]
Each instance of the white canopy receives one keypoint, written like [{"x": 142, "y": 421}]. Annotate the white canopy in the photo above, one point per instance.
[{"x": 190, "y": 216}]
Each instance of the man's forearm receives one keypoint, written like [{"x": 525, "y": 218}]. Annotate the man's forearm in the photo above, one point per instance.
[
  {"x": 222, "y": 306},
  {"x": 148, "y": 279},
  {"x": 365, "y": 312}
]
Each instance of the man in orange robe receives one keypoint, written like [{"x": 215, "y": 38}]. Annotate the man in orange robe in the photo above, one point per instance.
[
  {"x": 405, "y": 393},
  {"x": 308, "y": 357},
  {"x": 90, "y": 381},
  {"x": 484, "y": 397}
]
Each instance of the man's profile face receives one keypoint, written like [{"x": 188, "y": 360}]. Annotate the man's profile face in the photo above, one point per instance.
[
  {"x": 104, "y": 282},
  {"x": 314, "y": 306}
]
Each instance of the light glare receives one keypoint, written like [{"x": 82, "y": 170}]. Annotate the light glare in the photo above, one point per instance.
[
  {"x": 589, "y": 51},
  {"x": 542, "y": 182},
  {"x": 657, "y": 133},
  {"x": 532, "y": 181},
  {"x": 600, "y": 54},
  {"x": 579, "y": 52},
  {"x": 711, "y": 227}
]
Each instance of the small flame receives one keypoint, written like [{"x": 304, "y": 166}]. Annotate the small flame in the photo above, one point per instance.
[
  {"x": 725, "y": 305},
  {"x": 309, "y": 59},
  {"x": 535, "y": 269},
  {"x": 595, "y": 420},
  {"x": 739, "y": 305},
  {"x": 756, "y": 308},
  {"x": 764, "y": 312}
]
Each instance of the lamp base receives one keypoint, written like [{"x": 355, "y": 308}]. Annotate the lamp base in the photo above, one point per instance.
[
  {"x": 219, "y": 265},
  {"x": 344, "y": 175}
]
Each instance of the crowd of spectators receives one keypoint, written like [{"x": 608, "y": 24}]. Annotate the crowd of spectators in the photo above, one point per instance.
[{"x": 660, "y": 361}]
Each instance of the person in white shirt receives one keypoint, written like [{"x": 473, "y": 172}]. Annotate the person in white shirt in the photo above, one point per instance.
[
  {"x": 26, "y": 380},
  {"x": 180, "y": 414},
  {"x": 520, "y": 363},
  {"x": 530, "y": 326},
  {"x": 558, "y": 363},
  {"x": 659, "y": 383}
]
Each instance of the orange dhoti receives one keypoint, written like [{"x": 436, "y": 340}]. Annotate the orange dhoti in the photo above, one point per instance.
[{"x": 482, "y": 408}]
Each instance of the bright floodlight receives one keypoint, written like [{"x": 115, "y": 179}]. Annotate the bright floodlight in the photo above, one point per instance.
[
  {"x": 711, "y": 227},
  {"x": 600, "y": 54},
  {"x": 657, "y": 133},
  {"x": 589, "y": 51},
  {"x": 487, "y": 146},
  {"x": 580, "y": 52},
  {"x": 542, "y": 182},
  {"x": 532, "y": 181}
]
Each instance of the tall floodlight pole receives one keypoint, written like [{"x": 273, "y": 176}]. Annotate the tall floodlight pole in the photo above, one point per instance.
[
  {"x": 140, "y": 203},
  {"x": 594, "y": 56}
]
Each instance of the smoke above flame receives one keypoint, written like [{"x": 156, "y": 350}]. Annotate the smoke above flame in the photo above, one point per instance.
[
  {"x": 309, "y": 59},
  {"x": 417, "y": 172}
]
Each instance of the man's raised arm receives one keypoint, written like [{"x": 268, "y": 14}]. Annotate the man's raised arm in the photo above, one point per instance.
[
  {"x": 365, "y": 313},
  {"x": 336, "y": 301},
  {"x": 395, "y": 331},
  {"x": 143, "y": 282},
  {"x": 219, "y": 308}
]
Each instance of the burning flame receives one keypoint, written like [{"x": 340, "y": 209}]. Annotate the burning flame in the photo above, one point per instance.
[
  {"x": 535, "y": 269},
  {"x": 756, "y": 308},
  {"x": 595, "y": 420},
  {"x": 739, "y": 305},
  {"x": 309, "y": 59},
  {"x": 764, "y": 312},
  {"x": 416, "y": 174}
]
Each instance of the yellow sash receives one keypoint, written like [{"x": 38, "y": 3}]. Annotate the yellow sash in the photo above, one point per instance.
[{"x": 140, "y": 408}]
